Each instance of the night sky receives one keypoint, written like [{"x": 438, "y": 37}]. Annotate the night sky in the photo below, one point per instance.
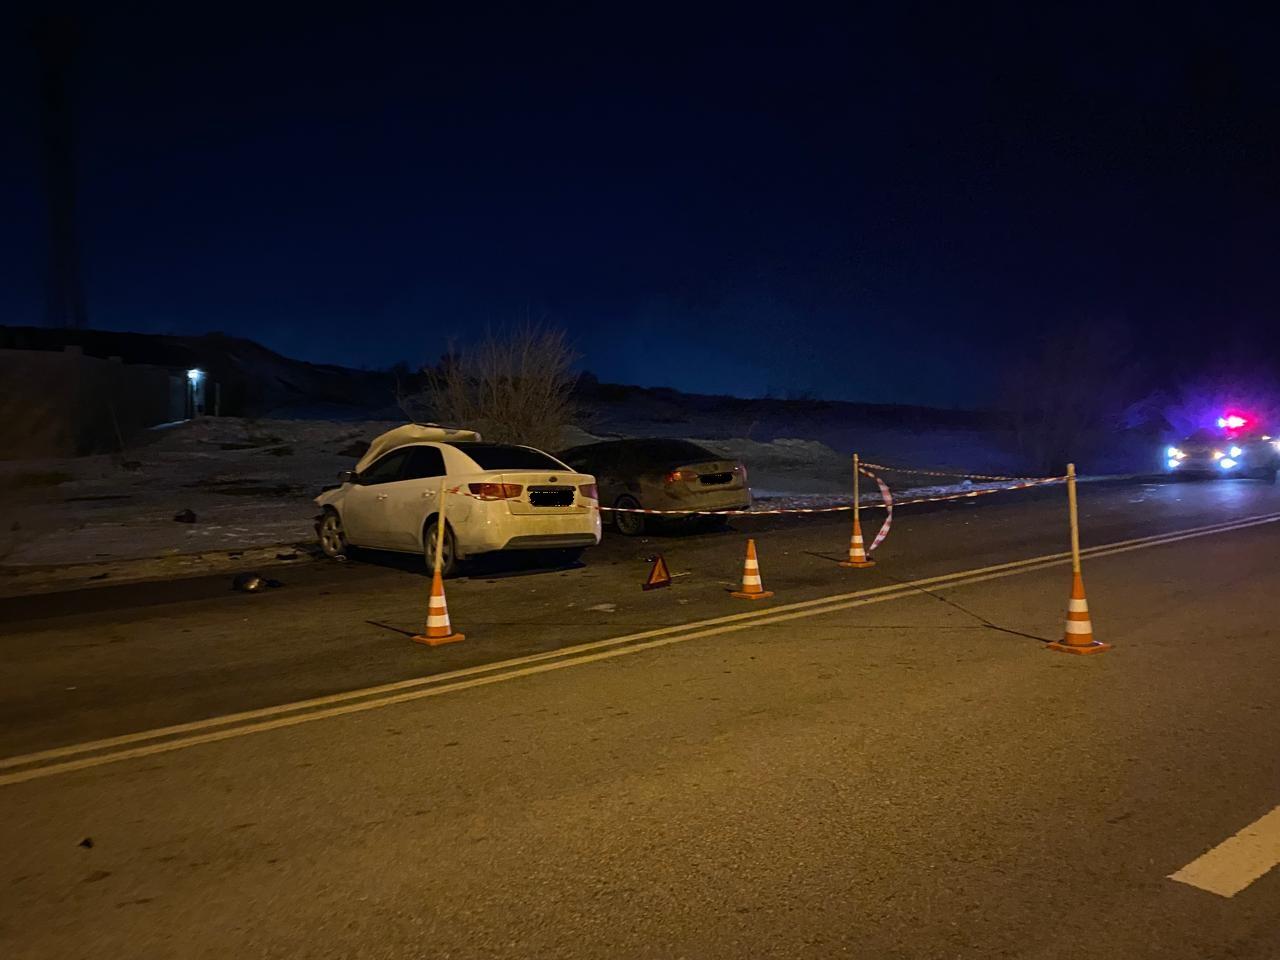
[{"x": 886, "y": 203}]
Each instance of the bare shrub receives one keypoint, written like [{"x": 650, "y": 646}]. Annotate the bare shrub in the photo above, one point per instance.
[
  {"x": 515, "y": 386},
  {"x": 1069, "y": 396}
]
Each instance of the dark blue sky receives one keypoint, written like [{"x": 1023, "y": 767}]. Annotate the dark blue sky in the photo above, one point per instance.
[{"x": 884, "y": 203}]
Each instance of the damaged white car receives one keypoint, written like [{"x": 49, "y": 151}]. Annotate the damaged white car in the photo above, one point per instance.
[{"x": 499, "y": 496}]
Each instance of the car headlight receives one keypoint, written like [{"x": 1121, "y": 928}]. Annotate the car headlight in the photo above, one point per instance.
[
  {"x": 1226, "y": 463},
  {"x": 1173, "y": 453},
  {"x": 1235, "y": 452},
  {"x": 1218, "y": 454}
]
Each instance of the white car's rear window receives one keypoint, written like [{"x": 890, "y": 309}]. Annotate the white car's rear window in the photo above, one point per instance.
[{"x": 504, "y": 456}]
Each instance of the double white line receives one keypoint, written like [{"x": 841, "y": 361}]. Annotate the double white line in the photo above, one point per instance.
[{"x": 96, "y": 753}]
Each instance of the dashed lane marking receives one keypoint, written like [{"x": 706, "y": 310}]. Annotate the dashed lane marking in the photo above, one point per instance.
[{"x": 1237, "y": 861}]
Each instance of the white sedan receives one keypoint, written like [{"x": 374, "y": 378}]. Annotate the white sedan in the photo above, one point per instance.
[{"x": 499, "y": 497}]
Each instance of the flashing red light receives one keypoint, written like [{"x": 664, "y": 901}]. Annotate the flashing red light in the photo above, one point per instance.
[{"x": 1232, "y": 421}]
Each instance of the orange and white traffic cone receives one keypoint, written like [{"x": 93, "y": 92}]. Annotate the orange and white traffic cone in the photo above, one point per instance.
[
  {"x": 439, "y": 630},
  {"x": 752, "y": 585},
  {"x": 857, "y": 552},
  {"x": 1079, "y": 634}
]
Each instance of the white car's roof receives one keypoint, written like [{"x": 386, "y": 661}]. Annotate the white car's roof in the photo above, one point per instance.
[{"x": 411, "y": 433}]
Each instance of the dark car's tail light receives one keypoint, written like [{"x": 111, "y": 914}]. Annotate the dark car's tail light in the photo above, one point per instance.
[
  {"x": 589, "y": 491},
  {"x": 675, "y": 476},
  {"x": 495, "y": 491}
]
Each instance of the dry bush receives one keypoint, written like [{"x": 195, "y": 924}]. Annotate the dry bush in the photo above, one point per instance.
[
  {"x": 1069, "y": 395},
  {"x": 514, "y": 386}
]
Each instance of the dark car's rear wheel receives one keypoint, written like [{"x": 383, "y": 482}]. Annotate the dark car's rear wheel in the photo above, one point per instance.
[
  {"x": 715, "y": 522},
  {"x": 628, "y": 524}
]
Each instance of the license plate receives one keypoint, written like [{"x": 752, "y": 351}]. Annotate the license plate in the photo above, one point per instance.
[{"x": 551, "y": 496}]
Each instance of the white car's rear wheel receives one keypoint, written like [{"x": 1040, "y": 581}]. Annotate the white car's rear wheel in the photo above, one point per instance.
[
  {"x": 333, "y": 539},
  {"x": 449, "y": 557}
]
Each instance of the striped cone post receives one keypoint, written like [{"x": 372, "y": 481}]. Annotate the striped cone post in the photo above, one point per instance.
[
  {"x": 752, "y": 585},
  {"x": 439, "y": 630},
  {"x": 857, "y": 552},
  {"x": 1079, "y": 633}
]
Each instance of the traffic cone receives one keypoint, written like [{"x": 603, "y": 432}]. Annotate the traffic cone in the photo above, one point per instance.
[
  {"x": 1079, "y": 634},
  {"x": 752, "y": 586},
  {"x": 857, "y": 554},
  {"x": 438, "y": 628}
]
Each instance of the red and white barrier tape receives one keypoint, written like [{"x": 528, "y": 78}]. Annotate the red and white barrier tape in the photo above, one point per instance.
[
  {"x": 887, "y": 497},
  {"x": 952, "y": 473},
  {"x": 887, "y": 504},
  {"x": 842, "y": 508}
]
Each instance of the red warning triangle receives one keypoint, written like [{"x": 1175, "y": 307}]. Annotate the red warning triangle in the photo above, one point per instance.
[{"x": 659, "y": 576}]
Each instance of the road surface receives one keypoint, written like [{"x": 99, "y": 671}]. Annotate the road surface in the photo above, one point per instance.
[{"x": 880, "y": 763}]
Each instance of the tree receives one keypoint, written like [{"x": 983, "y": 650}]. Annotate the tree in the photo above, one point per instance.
[
  {"x": 515, "y": 386},
  {"x": 1069, "y": 396}
]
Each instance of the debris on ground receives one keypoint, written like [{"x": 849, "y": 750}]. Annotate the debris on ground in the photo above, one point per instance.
[
  {"x": 185, "y": 516},
  {"x": 253, "y": 583}
]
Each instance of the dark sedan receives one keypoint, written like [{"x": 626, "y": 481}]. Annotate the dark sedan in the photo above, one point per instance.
[{"x": 656, "y": 474}]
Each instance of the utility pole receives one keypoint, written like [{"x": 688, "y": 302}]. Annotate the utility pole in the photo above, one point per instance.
[{"x": 58, "y": 38}]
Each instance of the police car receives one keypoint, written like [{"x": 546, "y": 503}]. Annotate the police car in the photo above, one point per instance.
[{"x": 1235, "y": 449}]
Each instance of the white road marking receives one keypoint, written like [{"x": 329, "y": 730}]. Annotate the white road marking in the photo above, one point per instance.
[
  {"x": 1237, "y": 861},
  {"x": 165, "y": 739}
]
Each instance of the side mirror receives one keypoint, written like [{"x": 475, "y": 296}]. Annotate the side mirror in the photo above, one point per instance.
[{"x": 346, "y": 476}]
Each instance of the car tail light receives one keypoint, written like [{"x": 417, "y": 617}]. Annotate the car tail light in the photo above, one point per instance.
[
  {"x": 675, "y": 476},
  {"x": 589, "y": 491},
  {"x": 495, "y": 491}
]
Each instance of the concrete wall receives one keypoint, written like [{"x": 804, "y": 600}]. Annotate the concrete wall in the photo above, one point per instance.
[{"x": 65, "y": 404}]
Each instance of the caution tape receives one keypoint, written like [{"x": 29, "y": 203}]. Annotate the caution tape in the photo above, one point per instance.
[
  {"x": 731, "y": 513},
  {"x": 887, "y": 497},
  {"x": 887, "y": 502},
  {"x": 951, "y": 473},
  {"x": 842, "y": 508}
]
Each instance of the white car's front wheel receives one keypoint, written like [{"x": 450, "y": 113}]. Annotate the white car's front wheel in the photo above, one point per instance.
[
  {"x": 449, "y": 557},
  {"x": 333, "y": 539}
]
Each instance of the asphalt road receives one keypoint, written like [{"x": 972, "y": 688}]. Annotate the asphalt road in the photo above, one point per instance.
[{"x": 858, "y": 767}]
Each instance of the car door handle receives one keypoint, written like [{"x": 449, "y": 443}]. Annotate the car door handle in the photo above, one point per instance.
[
  {"x": 428, "y": 494},
  {"x": 382, "y": 496}
]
